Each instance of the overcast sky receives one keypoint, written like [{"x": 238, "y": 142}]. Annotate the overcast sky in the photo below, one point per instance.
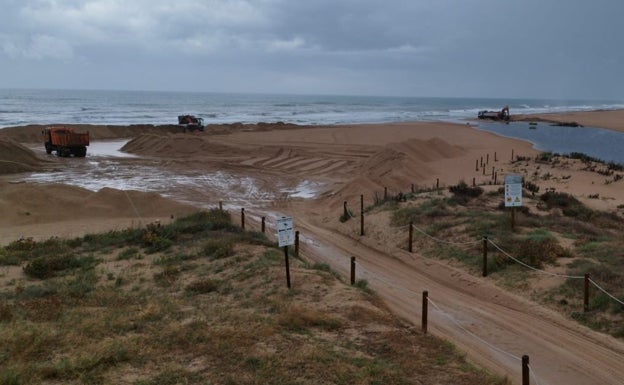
[{"x": 570, "y": 49}]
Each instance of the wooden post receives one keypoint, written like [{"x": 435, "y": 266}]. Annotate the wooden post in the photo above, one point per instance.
[
  {"x": 385, "y": 193},
  {"x": 525, "y": 370},
  {"x": 477, "y": 166},
  {"x": 346, "y": 213},
  {"x": 220, "y": 206},
  {"x": 243, "y": 218},
  {"x": 485, "y": 251},
  {"x": 487, "y": 158},
  {"x": 297, "y": 243},
  {"x": 495, "y": 160},
  {"x": 287, "y": 266},
  {"x": 474, "y": 182},
  {"x": 413, "y": 190},
  {"x": 411, "y": 236},
  {"x": 483, "y": 170},
  {"x": 437, "y": 183},
  {"x": 481, "y": 161},
  {"x": 352, "y": 271},
  {"x": 586, "y": 296},
  {"x": 263, "y": 224},
  {"x": 493, "y": 172},
  {"x": 496, "y": 177},
  {"x": 362, "y": 214},
  {"x": 425, "y": 305}
]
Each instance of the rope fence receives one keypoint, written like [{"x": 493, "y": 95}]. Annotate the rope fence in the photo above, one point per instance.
[
  {"x": 370, "y": 275},
  {"x": 531, "y": 267},
  {"x": 367, "y": 273},
  {"x": 516, "y": 260}
]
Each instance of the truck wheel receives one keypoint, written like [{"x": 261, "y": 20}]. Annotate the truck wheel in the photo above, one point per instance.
[
  {"x": 48, "y": 148},
  {"x": 80, "y": 152},
  {"x": 63, "y": 152}
]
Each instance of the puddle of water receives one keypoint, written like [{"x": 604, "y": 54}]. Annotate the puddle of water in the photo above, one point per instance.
[
  {"x": 103, "y": 167},
  {"x": 109, "y": 148},
  {"x": 305, "y": 189}
]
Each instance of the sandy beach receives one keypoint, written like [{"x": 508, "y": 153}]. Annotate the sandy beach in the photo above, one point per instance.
[
  {"x": 340, "y": 163},
  {"x": 612, "y": 120}
]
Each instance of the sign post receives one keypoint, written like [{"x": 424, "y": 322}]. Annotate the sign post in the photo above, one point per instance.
[
  {"x": 285, "y": 238},
  {"x": 513, "y": 194}
]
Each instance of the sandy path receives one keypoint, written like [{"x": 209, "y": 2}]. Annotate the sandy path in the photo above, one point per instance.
[{"x": 504, "y": 326}]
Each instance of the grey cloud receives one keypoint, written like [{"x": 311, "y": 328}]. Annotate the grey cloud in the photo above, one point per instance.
[{"x": 412, "y": 47}]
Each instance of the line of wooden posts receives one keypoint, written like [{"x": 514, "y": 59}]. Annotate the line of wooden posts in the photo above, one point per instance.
[
  {"x": 485, "y": 241},
  {"x": 410, "y": 242},
  {"x": 425, "y": 294}
]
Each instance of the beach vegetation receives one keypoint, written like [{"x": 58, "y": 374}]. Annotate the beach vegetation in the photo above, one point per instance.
[
  {"x": 462, "y": 193},
  {"x": 214, "y": 298},
  {"x": 566, "y": 237}
]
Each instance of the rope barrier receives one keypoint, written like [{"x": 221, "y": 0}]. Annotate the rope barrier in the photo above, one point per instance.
[
  {"x": 533, "y": 268},
  {"x": 607, "y": 293},
  {"x": 367, "y": 273},
  {"x": 136, "y": 211},
  {"x": 515, "y": 260},
  {"x": 472, "y": 334},
  {"x": 443, "y": 241},
  {"x": 533, "y": 375},
  {"x": 512, "y": 258},
  {"x": 457, "y": 324}
]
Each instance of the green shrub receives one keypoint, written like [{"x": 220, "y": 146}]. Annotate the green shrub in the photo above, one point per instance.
[
  {"x": 201, "y": 287},
  {"x": 218, "y": 248},
  {"x": 168, "y": 276},
  {"x": 537, "y": 252},
  {"x": 131, "y": 252},
  {"x": 463, "y": 190},
  {"x": 46, "y": 267}
]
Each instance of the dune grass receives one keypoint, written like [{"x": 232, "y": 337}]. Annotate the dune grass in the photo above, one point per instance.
[
  {"x": 596, "y": 237},
  {"x": 197, "y": 302}
]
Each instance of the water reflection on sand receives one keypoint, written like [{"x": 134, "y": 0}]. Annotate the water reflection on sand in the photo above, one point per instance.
[{"x": 107, "y": 166}]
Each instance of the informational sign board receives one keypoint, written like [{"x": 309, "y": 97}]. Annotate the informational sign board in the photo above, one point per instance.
[
  {"x": 285, "y": 232},
  {"x": 513, "y": 190}
]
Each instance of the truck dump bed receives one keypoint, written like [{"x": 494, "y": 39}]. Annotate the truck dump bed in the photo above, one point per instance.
[{"x": 68, "y": 138}]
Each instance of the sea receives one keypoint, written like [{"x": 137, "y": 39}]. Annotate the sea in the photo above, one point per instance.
[{"x": 33, "y": 106}]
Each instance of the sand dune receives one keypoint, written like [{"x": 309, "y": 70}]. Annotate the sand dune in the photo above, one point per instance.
[
  {"x": 41, "y": 211},
  {"x": 15, "y": 158}
]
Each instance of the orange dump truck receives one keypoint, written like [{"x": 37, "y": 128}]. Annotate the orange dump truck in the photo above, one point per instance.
[{"x": 65, "y": 141}]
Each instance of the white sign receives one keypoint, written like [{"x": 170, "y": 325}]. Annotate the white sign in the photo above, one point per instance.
[
  {"x": 285, "y": 232},
  {"x": 513, "y": 190}
]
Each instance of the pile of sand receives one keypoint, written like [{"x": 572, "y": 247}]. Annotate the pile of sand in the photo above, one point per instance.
[
  {"x": 33, "y": 203},
  {"x": 175, "y": 146},
  {"x": 15, "y": 158},
  {"x": 399, "y": 165}
]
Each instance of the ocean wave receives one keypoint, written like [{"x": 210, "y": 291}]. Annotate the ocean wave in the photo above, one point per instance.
[{"x": 125, "y": 107}]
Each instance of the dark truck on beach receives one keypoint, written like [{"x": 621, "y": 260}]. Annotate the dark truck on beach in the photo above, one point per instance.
[
  {"x": 495, "y": 115},
  {"x": 191, "y": 123},
  {"x": 65, "y": 141}
]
